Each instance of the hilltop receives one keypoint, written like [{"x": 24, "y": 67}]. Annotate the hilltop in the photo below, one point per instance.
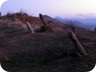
[
  {"x": 22, "y": 51},
  {"x": 21, "y": 18}
]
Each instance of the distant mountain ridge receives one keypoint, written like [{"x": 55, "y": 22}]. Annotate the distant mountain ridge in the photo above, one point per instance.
[
  {"x": 51, "y": 19},
  {"x": 87, "y": 23}
]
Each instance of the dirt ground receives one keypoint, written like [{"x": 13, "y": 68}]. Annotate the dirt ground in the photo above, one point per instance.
[{"x": 21, "y": 51}]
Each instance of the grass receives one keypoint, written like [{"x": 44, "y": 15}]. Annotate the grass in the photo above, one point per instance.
[{"x": 45, "y": 52}]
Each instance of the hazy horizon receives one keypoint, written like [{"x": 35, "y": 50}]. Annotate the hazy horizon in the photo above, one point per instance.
[{"x": 53, "y": 8}]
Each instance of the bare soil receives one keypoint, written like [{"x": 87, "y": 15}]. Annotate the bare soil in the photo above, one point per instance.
[{"x": 21, "y": 51}]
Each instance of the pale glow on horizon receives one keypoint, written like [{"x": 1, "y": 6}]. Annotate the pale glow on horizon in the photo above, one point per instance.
[{"x": 51, "y": 7}]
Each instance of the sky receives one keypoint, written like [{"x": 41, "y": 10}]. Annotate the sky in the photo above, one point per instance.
[{"x": 62, "y": 8}]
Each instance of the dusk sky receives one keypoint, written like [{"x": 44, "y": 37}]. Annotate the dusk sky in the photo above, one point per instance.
[{"x": 63, "y": 8}]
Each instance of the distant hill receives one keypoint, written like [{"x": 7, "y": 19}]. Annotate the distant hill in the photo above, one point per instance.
[
  {"x": 46, "y": 17},
  {"x": 64, "y": 21},
  {"x": 88, "y": 23}
]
